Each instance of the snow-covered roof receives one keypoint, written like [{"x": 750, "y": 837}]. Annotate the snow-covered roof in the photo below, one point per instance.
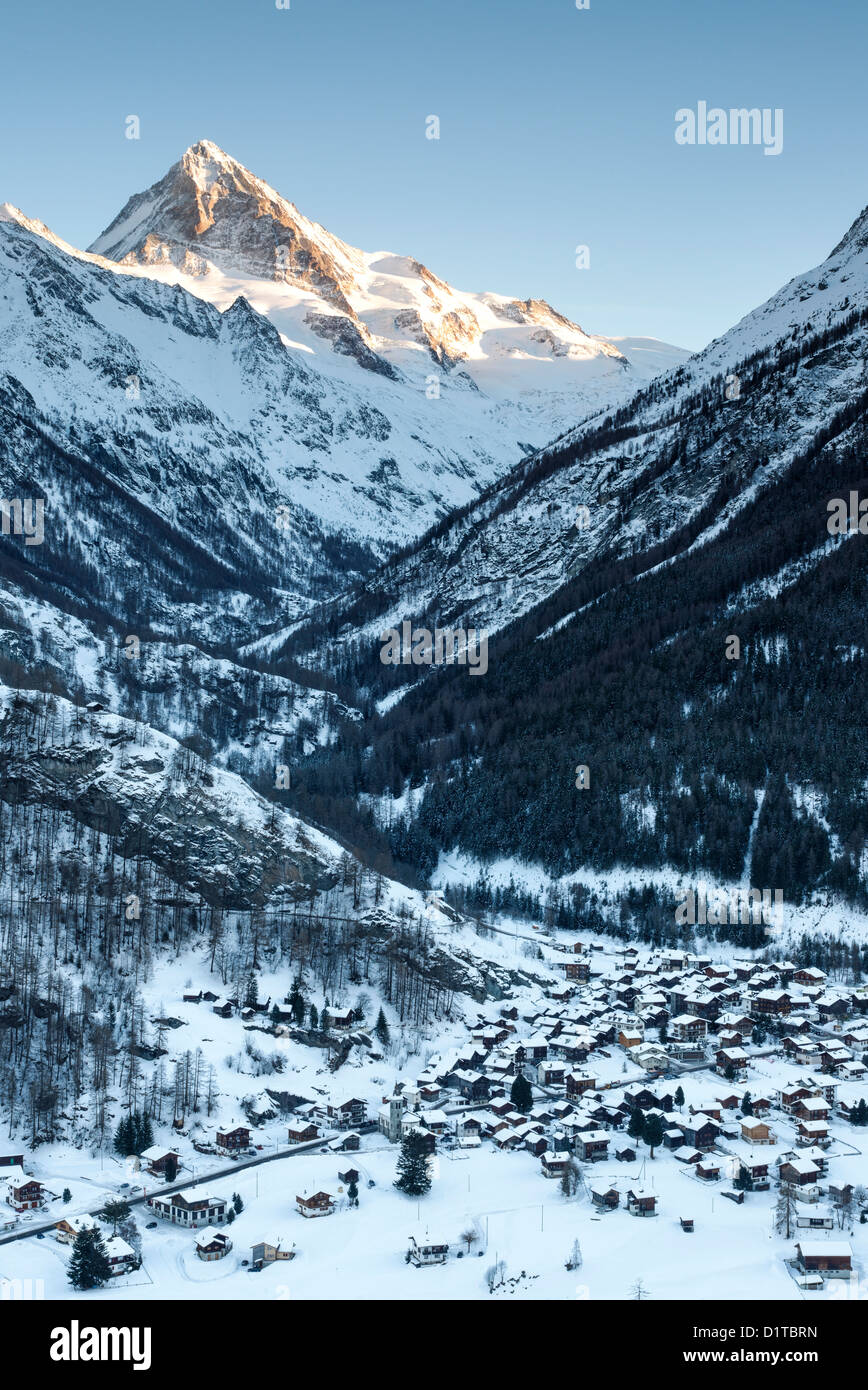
[{"x": 837, "y": 1249}]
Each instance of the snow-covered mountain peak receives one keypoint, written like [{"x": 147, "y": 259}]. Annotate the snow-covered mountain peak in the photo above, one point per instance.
[
  {"x": 213, "y": 226},
  {"x": 855, "y": 239}
]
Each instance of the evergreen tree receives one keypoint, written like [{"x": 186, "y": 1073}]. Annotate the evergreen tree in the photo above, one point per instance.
[
  {"x": 569, "y": 1183},
  {"x": 115, "y": 1211},
  {"x": 314, "y": 1016},
  {"x": 785, "y": 1211},
  {"x": 123, "y": 1137},
  {"x": 636, "y": 1126},
  {"x": 652, "y": 1131},
  {"x": 414, "y": 1178},
  {"x": 296, "y": 1002},
  {"x": 679, "y": 1097},
  {"x": 747, "y": 1104},
  {"x": 381, "y": 1028},
  {"x": 89, "y": 1266},
  {"x": 521, "y": 1093},
  {"x": 353, "y": 1194}
]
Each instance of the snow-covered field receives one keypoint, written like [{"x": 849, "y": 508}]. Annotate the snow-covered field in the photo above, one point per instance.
[{"x": 519, "y": 1216}]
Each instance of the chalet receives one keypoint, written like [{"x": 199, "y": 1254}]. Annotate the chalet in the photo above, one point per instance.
[
  {"x": 731, "y": 1062},
  {"x": 810, "y": 1108},
  {"x": 551, "y": 1074},
  {"x": 756, "y": 1131},
  {"x": 347, "y": 1142},
  {"x": 577, "y": 969},
  {"x": 773, "y": 1003},
  {"x": 506, "y": 1138},
  {"x": 161, "y": 1162},
  {"x": 708, "y": 1170},
  {"x": 536, "y": 1144},
  {"x": 629, "y": 1037},
  {"x": 757, "y": 1170},
  {"x": 625, "y": 1153},
  {"x": 689, "y": 1028},
  {"x": 790, "y": 1095},
  {"x": 320, "y": 1204},
  {"x": 554, "y": 1164},
  {"x": 812, "y": 1132},
  {"x": 592, "y": 1146},
  {"x": 825, "y": 1257},
  {"x": 215, "y": 1246},
  {"x": 841, "y": 1193},
  {"x": 605, "y": 1196},
  {"x": 652, "y": 1057},
  {"x": 193, "y": 1208},
  {"x": 68, "y": 1228},
  {"x": 342, "y": 1019},
  {"x": 641, "y": 1202},
  {"x": 472, "y": 1085},
  {"x": 833, "y": 1009},
  {"x": 347, "y": 1114},
  {"x": 11, "y": 1160},
  {"x": 577, "y": 1083},
  {"x": 23, "y": 1193},
  {"x": 641, "y": 1096},
  {"x": 701, "y": 1131},
  {"x": 265, "y": 1253},
  {"x": 427, "y": 1252},
  {"x": 302, "y": 1131},
  {"x": 809, "y": 975},
  {"x": 222, "y": 1009},
  {"x": 817, "y": 1220},
  {"x": 673, "y": 1138},
  {"x": 192, "y": 996},
  {"x": 799, "y": 1172},
  {"x": 730, "y": 1101},
  {"x": 233, "y": 1139},
  {"x": 121, "y": 1257}
]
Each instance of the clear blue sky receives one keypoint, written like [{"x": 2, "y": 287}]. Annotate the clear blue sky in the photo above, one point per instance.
[{"x": 557, "y": 128}]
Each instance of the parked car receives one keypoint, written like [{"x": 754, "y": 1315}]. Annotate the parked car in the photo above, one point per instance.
[{"x": 151, "y": 1226}]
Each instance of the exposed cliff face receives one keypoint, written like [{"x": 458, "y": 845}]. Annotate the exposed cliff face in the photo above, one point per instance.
[{"x": 204, "y": 828}]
